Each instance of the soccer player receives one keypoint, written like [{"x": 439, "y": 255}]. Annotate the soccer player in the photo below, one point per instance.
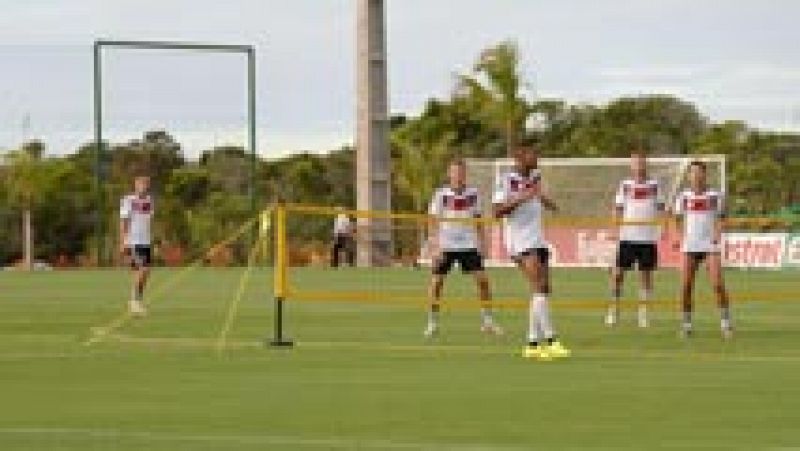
[
  {"x": 343, "y": 240},
  {"x": 638, "y": 199},
  {"x": 519, "y": 199},
  {"x": 457, "y": 242},
  {"x": 702, "y": 210},
  {"x": 136, "y": 213}
]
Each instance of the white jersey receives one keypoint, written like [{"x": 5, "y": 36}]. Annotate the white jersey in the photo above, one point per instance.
[
  {"x": 700, "y": 212},
  {"x": 449, "y": 203},
  {"x": 639, "y": 202},
  {"x": 523, "y": 226},
  {"x": 139, "y": 212},
  {"x": 342, "y": 225}
]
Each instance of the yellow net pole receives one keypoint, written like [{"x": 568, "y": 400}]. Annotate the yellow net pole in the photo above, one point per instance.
[
  {"x": 279, "y": 275},
  {"x": 279, "y": 271}
]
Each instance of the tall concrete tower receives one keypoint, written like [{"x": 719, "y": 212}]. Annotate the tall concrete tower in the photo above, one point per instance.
[{"x": 373, "y": 162}]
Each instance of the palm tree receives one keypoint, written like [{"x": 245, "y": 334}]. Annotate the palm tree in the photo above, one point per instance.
[
  {"x": 495, "y": 87},
  {"x": 24, "y": 189}
]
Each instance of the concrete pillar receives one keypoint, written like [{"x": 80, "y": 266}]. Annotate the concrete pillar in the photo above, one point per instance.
[{"x": 373, "y": 161}]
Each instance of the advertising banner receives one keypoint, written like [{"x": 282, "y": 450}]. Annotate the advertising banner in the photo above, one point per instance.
[
  {"x": 792, "y": 257},
  {"x": 594, "y": 248},
  {"x": 754, "y": 250}
]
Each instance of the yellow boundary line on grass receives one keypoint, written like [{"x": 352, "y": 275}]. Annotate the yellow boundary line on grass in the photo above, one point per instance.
[{"x": 99, "y": 333}]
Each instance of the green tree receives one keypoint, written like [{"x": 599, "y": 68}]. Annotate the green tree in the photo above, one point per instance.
[
  {"x": 494, "y": 90},
  {"x": 228, "y": 168},
  {"x": 419, "y": 165},
  {"x": 660, "y": 124},
  {"x": 65, "y": 211},
  {"x": 25, "y": 176}
]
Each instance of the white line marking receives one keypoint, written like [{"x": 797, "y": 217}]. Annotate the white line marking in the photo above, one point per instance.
[
  {"x": 329, "y": 442},
  {"x": 43, "y": 355},
  {"x": 588, "y": 352}
]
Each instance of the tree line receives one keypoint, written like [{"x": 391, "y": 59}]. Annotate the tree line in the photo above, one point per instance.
[{"x": 200, "y": 202}]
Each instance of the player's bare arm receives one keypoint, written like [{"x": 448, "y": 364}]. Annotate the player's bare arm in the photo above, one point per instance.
[
  {"x": 480, "y": 231},
  {"x": 719, "y": 225},
  {"x": 616, "y": 221},
  {"x": 674, "y": 224},
  {"x": 124, "y": 226},
  {"x": 663, "y": 218},
  {"x": 433, "y": 237}
]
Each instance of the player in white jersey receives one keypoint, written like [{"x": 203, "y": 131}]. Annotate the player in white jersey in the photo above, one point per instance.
[
  {"x": 343, "y": 240},
  {"x": 520, "y": 200},
  {"x": 136, "y": 213},
  {"x": 457, "y": 242},
  {"x": 638, "y": 200},
  {"x": 702, "y": 210}
]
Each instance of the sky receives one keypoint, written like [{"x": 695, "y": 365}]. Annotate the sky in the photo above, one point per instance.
[{"x": 736, "y": 59}]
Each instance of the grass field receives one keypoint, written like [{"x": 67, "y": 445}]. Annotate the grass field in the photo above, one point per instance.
[{"x": 362, "y": 377}]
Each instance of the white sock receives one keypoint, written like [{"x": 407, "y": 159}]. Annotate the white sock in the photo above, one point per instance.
[
  {"x": 613, "y": 306},
  {"x": 644, "y": 298},
  {"x": 725, "y": 318},
  {"x": 533, "y": 324},
  {"x": 433, "y": 316},
  {"x": 486, "y": 315},
  {"x": 542, "y": 313}
]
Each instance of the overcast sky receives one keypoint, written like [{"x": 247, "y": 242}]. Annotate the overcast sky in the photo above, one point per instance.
[{"x": 737, "y": 59}]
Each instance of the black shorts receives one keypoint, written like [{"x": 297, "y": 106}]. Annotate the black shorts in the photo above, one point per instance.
[
  {"x": 698, "y": 257},
  {"x": 644, "y": 254},
  {"x": 542, "y": 253},
  {"x": 342, "y": 241},
  {"x": 469, "y": 261},
  {"x": 141, "y": 256}
]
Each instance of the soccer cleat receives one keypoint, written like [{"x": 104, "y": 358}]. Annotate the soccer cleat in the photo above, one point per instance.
[
  {"x": 491, "y": 328},
  {"x": 727, "y": 333},
  {"x": 557, "y": 350},
  {"x": 642, "y": 318},
  {"x": 686, "y": 331},
  {"x": 431, "y": 330},
  {"x": 137, "y": 308},
  {"x": 539, "y": 353},
  {"x": 611, "y": 317}
]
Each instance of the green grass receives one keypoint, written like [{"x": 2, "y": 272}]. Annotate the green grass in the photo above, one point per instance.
[{"x": 362, "y": 377}]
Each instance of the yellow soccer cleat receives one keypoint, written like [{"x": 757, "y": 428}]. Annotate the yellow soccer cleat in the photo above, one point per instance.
[
  {"x": 137, "y": 309},
  {"x": 539, "y": 353},
  {"x": 557, "y": 351}
]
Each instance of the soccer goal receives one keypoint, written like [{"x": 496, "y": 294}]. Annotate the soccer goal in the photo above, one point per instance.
[
  {"x": 584, "y": 190},
  {"x": 183, "y": 113}
]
